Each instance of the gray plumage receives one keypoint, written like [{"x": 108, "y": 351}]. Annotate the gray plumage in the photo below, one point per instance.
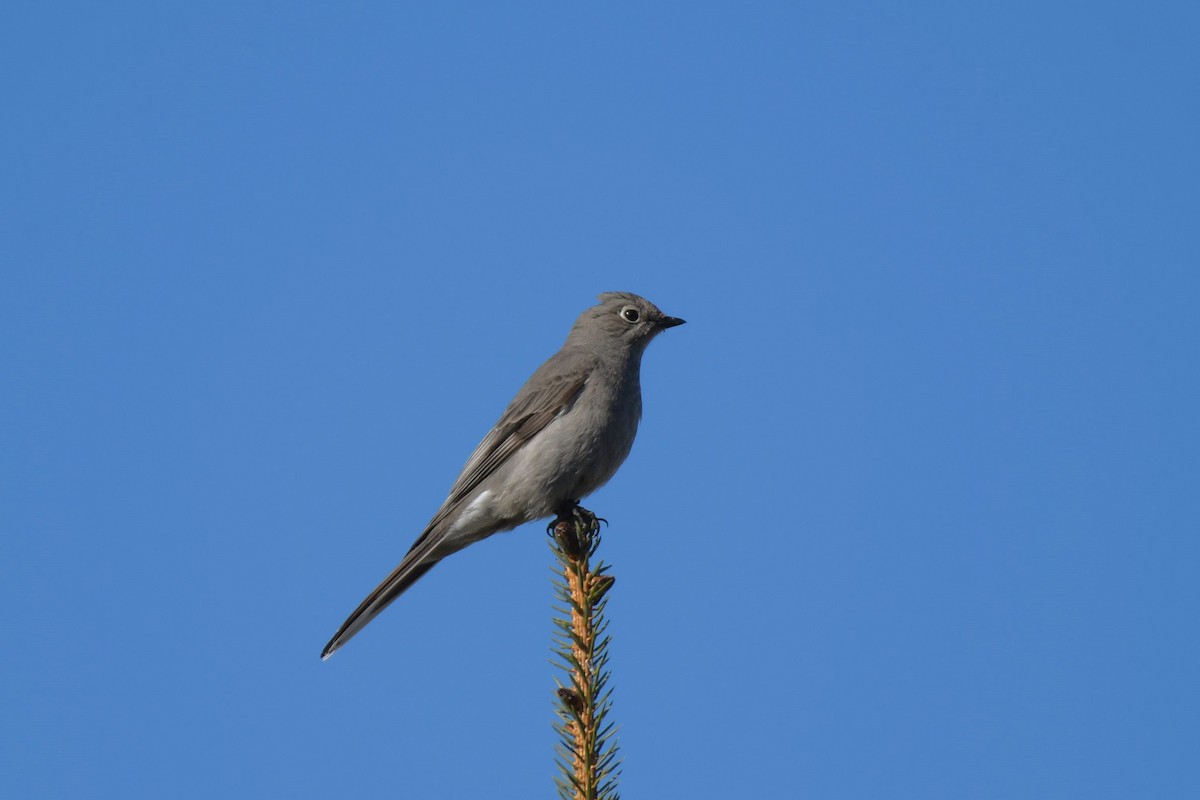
[{"x": 561, "y": 438}]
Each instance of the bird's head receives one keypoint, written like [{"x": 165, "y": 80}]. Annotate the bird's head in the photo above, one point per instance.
[{"x": 621, "y": 319}]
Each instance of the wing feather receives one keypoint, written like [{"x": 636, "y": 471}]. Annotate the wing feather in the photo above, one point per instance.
[{"x": 551, "y": 391}]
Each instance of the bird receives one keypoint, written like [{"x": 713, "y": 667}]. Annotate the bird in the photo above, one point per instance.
[{"x": 563, "y": 436}]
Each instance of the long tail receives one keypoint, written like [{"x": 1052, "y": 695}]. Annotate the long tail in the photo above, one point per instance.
[{"x": 418, "y": 561}]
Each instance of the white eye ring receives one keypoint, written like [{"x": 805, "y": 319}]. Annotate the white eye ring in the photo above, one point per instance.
[{"x": 630, "y": 314}]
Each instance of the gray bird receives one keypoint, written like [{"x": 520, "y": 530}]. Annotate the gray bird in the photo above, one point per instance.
[{"x": 561, "y": 438}]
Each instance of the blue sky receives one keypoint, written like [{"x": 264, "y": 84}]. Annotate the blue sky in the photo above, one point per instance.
[{"x": 912, "y": 512}]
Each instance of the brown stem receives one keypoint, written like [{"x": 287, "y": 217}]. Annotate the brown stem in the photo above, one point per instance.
[{"x": 584, "y": 589}]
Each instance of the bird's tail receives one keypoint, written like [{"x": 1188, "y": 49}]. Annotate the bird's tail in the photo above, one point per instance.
[{"x": 418, "y": 561}]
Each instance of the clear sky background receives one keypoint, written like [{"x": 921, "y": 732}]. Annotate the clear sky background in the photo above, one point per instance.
[{"x": 913, "y": 509}]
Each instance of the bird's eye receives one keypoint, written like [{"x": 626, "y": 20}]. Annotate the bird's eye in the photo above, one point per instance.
[{"x": 630, "y": 314}]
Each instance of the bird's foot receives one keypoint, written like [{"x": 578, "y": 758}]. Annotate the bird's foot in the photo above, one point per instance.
[
  {"x": 577, "y": 514},
  {"x": 573, "y": 528}
]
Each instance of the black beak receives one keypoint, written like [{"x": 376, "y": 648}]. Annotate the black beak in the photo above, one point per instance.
[{"x": 670, "y": 322}]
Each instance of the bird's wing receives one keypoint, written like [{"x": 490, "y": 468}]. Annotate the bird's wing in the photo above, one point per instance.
[{"x": 549, "y": 392}]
